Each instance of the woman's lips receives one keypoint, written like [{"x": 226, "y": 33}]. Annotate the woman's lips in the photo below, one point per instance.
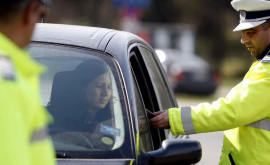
[{"x": 103, "y": 101}]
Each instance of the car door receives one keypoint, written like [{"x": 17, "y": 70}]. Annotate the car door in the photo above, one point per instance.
[
  {"x": 152, "y": 93},
  {"x": 158, "y": 76}
]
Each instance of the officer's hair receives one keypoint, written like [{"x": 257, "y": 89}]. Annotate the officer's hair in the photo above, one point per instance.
[
  {"x": 9, "y": 9},
  {"x": 266, "y": 25}
]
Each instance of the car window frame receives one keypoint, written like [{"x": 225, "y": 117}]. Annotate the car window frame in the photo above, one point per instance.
[
  {"x": 158, "y": 135},
  {"x": 124, "y": 101},
  {"x": 168, "y": 90},
  {"x": 139, "y": 99}
]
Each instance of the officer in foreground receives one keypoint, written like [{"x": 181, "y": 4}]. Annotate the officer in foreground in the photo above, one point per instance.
[
  {"x": 245, "y": 112},
  {"x": 23, "y": 121}
]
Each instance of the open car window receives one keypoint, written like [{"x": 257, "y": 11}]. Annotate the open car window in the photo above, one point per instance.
[{"x": 82, "y": 91}]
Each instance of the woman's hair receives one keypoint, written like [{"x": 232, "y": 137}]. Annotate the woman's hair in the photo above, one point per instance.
[
  {"x": 68, "y": 85},
  {"x": 89, "y": 70}
]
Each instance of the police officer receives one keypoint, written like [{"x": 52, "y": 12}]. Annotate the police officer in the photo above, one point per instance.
[
  {"x": 245, "y": 112},
  {"x": 23, "y": 121}
]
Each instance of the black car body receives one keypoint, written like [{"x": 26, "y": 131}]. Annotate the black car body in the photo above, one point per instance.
[{"x": 138, "y": 82}]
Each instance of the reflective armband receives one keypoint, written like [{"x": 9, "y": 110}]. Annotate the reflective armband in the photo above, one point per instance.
[
  {"x": 187, "y": 120},
  {"x": 261, "y": 124},
  {"x": 7, "y": 71},
  {"x": 181, "y": 121},
  {"x": 39, "y": 135}
]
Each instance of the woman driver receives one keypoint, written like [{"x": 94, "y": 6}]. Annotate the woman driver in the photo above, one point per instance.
[{"x": 81, "y": 102}]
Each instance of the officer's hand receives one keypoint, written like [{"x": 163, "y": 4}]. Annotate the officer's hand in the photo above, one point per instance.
[{"x": 161, "y": 120}]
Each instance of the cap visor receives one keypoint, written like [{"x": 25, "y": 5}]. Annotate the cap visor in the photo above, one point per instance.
[{"x": 248, "y": 25}]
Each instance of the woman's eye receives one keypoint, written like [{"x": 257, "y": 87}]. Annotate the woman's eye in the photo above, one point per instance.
[{"x": 99, "y": 85}]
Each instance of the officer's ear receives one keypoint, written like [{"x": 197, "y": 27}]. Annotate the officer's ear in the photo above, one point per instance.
[{"x": 33, "y": 13}]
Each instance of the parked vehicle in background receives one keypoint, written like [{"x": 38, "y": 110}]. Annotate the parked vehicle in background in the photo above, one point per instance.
[
  {"x": 129, "y": 80},
  {"x": 188, "y": 73}
]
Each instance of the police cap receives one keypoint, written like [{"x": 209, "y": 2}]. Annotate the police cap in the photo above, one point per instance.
[{"x": 252, "y": 13}]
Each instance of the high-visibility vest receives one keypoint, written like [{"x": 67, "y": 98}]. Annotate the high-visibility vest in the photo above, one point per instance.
[
  {"x": 23, "y": 121},
  {"x": 244, "y": 113}
]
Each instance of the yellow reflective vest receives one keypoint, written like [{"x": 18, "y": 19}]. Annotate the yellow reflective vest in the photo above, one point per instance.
[
  {"x": 244, "y": 113},
  {"x": 23, "y": 121}
]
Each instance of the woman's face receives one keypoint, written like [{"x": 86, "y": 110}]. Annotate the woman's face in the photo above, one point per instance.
[{"x": 98, "y": 91}]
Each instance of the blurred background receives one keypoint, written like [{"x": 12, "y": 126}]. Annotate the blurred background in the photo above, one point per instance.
[
  {"x": 200, "y": 27},
  {"x": 193, "y": 39}
]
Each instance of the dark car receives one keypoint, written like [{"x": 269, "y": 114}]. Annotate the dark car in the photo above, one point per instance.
[
  {"x": 101, "y": 86},
  {"x": 188, "y": 73}
]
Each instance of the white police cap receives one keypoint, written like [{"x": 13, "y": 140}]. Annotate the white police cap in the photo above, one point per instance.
[{"x": 252, "y": 13}]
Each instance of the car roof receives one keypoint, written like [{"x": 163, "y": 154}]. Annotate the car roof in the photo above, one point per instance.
[{"x": 83, "y": 36}]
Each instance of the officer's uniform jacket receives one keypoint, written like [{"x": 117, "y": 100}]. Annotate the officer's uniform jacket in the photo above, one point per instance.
[
  {"x": 23, "y": 121},
  {"x": 244, "y": 113}
]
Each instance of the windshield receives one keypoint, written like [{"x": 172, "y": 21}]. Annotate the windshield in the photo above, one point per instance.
[{"x": 82, "y": 91}]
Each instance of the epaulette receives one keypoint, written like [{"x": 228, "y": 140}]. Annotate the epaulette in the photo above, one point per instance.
[
  {"x": 7, "y": 71},
  {"x": 266, "y": 59}
]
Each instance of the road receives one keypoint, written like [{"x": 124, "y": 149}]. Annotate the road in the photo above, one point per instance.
[{"x": 211, "y": 142}]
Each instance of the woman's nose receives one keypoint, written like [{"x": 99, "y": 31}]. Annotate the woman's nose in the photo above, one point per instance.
[{"x": 105, "y": 91}]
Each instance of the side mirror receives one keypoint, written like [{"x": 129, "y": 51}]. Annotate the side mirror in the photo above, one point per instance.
[{"x": 176, "y": 151}]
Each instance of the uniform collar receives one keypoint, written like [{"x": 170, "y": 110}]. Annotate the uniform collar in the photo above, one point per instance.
[
  {"x": 264, "y": 53},
  {"x": 20, "y": 57}
]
